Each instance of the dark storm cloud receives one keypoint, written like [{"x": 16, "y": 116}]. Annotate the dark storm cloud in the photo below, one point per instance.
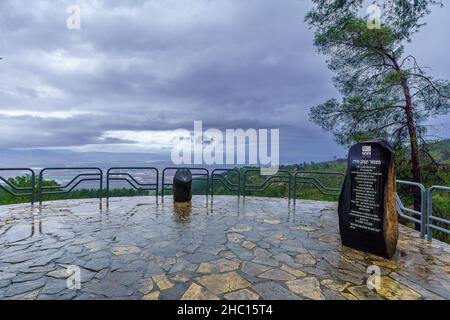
[{"x": 159, "y": 65}]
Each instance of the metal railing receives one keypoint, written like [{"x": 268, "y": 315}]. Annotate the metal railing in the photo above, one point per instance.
[
  {"x": 311, "y": 180},
  {"x": 198, "y": 174},
  {"x": 432, "y": 218},
  {"x": 131, "y": 180},
  {"x": 10, "y": 186},
  {"x": 425, "y": 217},
  {"x": 282, "y": 176},
  {"x": 230, "y": 186},
  {"x": 72, "y": 184},
  {"x": 421, "y": 214}
]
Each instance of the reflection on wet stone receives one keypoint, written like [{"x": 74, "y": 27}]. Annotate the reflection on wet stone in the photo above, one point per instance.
[
  {"x": 143, "y": 251},
  {"x": 182, "y": 211}
]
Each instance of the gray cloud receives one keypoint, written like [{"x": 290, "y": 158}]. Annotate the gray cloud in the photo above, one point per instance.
[{"x": 160, "y": 65}]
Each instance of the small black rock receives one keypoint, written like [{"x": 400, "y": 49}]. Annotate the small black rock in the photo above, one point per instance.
[{"x": 182, "y": 186}]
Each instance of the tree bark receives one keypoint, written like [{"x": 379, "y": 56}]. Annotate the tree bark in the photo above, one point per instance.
[
  {"x": 416, "y": 170},
  {"x": 415, "y": 160}
]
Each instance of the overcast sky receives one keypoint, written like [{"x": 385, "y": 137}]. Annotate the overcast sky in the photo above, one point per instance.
[{"x": 138, "y": 69}]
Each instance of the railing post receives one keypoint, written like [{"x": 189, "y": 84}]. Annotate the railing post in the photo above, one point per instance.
[
  {"x": 107, "y": 188},
  {"x": 162, "y": 185},
  {"x": 239, "y": 184},
  {"x": 212, "y": 186},
  {"x": 157, "y": 186},
  {"x": 289, "y": 187},
  {"x": 40, "y": 187},
  {"x": 295, "y": 188},
  {"x": 33, "y": 187},
  {"x": 422, "y": 211},
  {"x": 101, "y": 189},
  {"x": 429, "y": 214},
  {"x": 243, "y": 184},
  {"x": 207, "y": 187}
]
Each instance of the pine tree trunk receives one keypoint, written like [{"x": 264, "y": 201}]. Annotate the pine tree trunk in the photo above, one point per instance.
[{"x": 415, "y": 157}]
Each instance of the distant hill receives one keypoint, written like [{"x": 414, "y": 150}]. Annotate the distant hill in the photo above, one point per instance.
[{"x": 440, "y": 150}]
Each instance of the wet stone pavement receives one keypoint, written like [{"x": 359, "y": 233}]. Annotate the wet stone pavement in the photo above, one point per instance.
[{"x": 257, "y": 249}]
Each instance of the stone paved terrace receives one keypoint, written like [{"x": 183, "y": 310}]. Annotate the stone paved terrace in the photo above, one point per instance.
[{"x": 241, "y": 250}]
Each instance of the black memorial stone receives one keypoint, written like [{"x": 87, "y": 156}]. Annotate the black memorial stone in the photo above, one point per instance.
[
  {"x": 367, "y": 212},
  {"x": 182, "y": 185}
]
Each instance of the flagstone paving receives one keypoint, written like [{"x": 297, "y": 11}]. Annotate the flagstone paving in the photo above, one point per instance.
[{"x": 259, "y": 248}]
